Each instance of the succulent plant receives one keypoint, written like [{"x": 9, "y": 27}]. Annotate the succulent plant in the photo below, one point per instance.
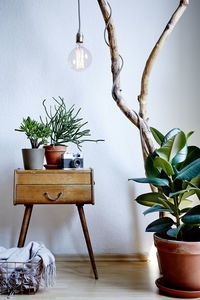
[
  {"x": 35, "y": 131},
  {"x": 66, "y": 125}
]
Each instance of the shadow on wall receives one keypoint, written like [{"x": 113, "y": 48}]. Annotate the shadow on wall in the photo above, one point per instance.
[
  {"x": 137, "y": 238},
  {"x": 9, "y": 216},
  {"x": 143, "y": 241},
  {"x": 46, "y": 222},
  {"x": 51, "y": 224},
  {"x": 119, "y": 232}
]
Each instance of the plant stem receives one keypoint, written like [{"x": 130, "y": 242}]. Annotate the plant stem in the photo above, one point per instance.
[{"x": 176, "y": 204}]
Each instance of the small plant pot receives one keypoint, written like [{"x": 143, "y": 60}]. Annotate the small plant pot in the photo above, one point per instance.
[
  {"x": 33, "y": 158},
  {"x": 180, "y": 263},
  {"x": 53, "y": 155}
]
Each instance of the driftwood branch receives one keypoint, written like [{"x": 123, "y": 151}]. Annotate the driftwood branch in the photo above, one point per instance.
[
  {"x": 151, "y": 60},
  {"x": 139, "y": 120},
  {"x": 115, "y": 68}
]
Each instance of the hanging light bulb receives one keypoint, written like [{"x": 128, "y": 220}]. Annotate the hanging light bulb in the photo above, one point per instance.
[{"x": 80, "y": 57}]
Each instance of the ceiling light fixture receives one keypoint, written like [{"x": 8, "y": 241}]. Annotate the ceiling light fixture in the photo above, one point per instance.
[{"x": 80, "y": 57}]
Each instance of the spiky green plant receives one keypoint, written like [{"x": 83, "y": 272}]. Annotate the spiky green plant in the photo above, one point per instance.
[
  {"x": 174, "y": 168},
  {"x": 66, "y": 125},
  {"x": 35, "y": 131}
]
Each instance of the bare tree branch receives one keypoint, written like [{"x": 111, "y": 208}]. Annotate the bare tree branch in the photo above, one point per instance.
[
  {"x": 138, "y": 120},
  {"x": 115, "y": 68},
  {"x": 151, "y": 60}
]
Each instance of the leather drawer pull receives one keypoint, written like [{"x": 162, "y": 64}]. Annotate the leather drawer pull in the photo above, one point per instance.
[{"x": 53, "y": 199}]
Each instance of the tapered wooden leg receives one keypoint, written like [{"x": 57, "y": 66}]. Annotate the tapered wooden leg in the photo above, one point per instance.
[
  {"x": 87, "y": 239},
  {"x": 25, "y": 224}
]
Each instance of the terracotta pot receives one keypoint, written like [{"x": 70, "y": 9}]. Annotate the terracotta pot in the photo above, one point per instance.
[
  {"x": 180, "y": 262},
  {"x": 53, "y": 154},
  {"x": 33, "y": 158}
]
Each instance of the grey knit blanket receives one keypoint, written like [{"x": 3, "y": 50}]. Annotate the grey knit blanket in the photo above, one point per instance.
[{"x": 16, "y": 268}]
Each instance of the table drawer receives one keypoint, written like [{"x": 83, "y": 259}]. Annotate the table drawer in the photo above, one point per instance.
[
  {"x": 58, "y": 177},
  {"x": 53, "y": 194}
]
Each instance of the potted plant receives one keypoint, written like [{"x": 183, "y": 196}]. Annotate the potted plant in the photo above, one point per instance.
[
  {"x": 37, "y": 133},
  {"x": 66, "y": 127},
  {"x": 174, "y": 169}
]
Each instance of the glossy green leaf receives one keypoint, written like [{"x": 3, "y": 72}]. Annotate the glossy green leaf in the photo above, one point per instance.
[
  {"x": 154, "y": 181},
  {"x": 173, "y": 146},
  {"x": 156, "y": 208},
  {"x": 151, "y": 171},
  {"x": 173, "y": 232},
  {"x": 188, "y": 194},
  {"x": 164, "y": 165},
  {"x": 151, "y": 199},
  {"x": 161, "y": 224},
  {"x": 195, "y": 182},
  {"x": 198, "y": 194},
  {"x": 192, "y": 155},
  {"x": 191, "y": 232},
  {"x": 189, "y": 134},
  {"x": 170, "y": 134},
  {"x": 190, "y": 171},
  {"x": 158, "y": 136},
  {"x": 169, "y": 202},
  {"x": 185, "y": 203},
  {"x": 184, "y": 210},
  {"x": 181, "y": 155},
  {"x": 192, "y": 216},
  {"x": 192, "y": 189}
]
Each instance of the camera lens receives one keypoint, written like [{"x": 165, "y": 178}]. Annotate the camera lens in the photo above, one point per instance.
[{"x": 75, "y": 163}]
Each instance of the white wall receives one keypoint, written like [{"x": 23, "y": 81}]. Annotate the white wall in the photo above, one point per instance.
[{"x": 35, "y": 39}]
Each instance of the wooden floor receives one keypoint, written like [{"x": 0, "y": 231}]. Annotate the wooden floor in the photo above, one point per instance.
[{"x": 117, "y": 280}]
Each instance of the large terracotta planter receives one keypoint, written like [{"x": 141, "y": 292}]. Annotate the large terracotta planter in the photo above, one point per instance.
[
  {"x": 180, "y": 263},
  {"x": 53, "y": 154}
]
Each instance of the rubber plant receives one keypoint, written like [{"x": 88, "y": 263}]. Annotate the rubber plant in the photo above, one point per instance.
[
  {"x": 171, "y": 177},
  {"x": 174, "y": 169}
]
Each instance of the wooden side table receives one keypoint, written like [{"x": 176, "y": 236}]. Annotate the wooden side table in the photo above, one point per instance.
[{"x": 71, "y": 186}]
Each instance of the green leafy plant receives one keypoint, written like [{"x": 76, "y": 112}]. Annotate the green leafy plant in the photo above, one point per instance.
[
  {"x": 66, "y": 125},
  {"x": 35, "y": 131},
  {"x": 174, "y": 169}
]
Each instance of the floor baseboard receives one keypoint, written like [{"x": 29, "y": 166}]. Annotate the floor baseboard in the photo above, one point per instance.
[{"x": 103, "y": 257}]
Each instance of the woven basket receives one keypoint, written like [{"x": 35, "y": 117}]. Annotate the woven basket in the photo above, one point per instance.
[{"x": 28, "y": 276}]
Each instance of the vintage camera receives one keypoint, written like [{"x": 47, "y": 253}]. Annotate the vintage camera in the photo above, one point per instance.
[{"x": 69, "y": 160}]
